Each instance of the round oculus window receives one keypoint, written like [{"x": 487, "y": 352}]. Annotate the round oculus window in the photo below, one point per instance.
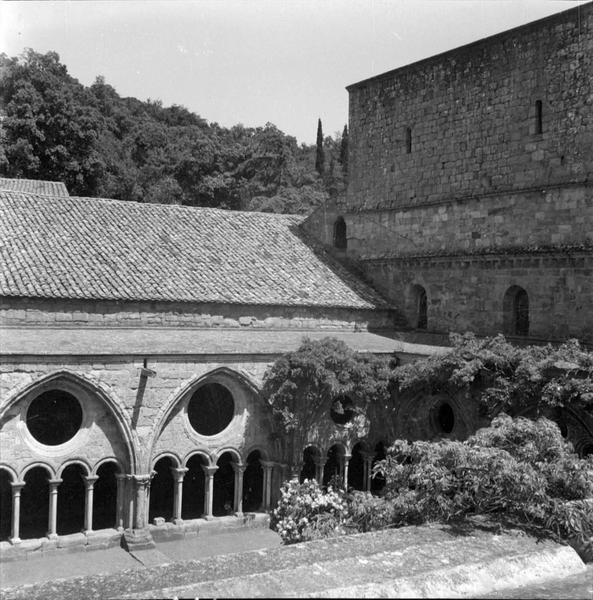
[
  {"x": 211, "y": 409},
  {"x": 54, "y": 417}
]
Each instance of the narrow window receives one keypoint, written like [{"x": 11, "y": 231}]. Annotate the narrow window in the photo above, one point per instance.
[
  {"x": 408, "y": 140},
  {"x": 421, "y": 307},
  {"x": 340, "y": 239},
  {"x": 538, "y": 116},
  {"x": 516, "y": 311}
]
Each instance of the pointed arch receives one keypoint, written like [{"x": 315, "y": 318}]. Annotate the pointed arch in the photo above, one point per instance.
[
  {"x": 92, "y": 388},
  {"x": 188, "y": 387}
]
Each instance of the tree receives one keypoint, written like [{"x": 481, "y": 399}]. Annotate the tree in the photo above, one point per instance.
[
  {"x": 303, "y": 386},
  {"x": 320, "y": 155},
  {"x": 344, "y": 151}
]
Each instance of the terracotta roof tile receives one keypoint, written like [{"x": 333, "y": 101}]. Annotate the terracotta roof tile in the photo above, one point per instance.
[
  {"x": 34, "y": 186},
  {"x": 92, "y": 248}
]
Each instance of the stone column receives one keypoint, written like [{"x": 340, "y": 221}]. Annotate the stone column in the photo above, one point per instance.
[
  {"x": 267, "y": 465},
  {"x": 130, "y": 496},
  {"x": 53, "y": 508},
  {"x": 209, "y": 491},
  {"x": 142, "y": 484},
  {"x": 345, "y": 463},
  {"x": 319, "y": 466},
  {"x": 178, "y": 475},
  {"x": 119, "y": 504},
  {"x": 16, "y": 511},
  {"x": 89, "y": 484},
  {"x": 368, "y": 470},
  {"x": 239, "y": 469},
  {"x": 295, "y": 470}
]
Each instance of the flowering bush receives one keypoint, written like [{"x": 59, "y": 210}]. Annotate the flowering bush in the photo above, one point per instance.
[
  {"x": 305, "y": 512},
  {"x": 367, "y": 512}
]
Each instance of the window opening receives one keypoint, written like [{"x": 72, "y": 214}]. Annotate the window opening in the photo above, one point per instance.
[
  {"x": 538, "y": 116},
  {"x": 340, "y": 239},
  {"x": 211, "y": 409},
  {"x": 54, "y": 417},
  {"x": 408, "y": 140}
]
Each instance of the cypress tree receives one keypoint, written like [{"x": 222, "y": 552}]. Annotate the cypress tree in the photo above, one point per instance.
[
  {"x": 344, "y": 150},
  {"x": 320, "y": 156}
]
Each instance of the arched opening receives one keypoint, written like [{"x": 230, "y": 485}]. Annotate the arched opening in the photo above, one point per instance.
[
  {"x": 342, "y": 410},
  {"x": 224, "y": 486},
  {"x": 310, "y": 455},
  {"x": 5, "y": 505},
  {"x": 444, "y": 418},
  {"x": 105, "y": 496},
  {"x": 378, "y": 481},
  {"x": 356, "y": 468},
  {"x": 587, "y": 450},
  {"x": 516, "y": 311},
  {"x": 253, "y": 483},
  {"x": 340, "y": 234},
  {"x": 162, "y": 487},
  {"x": 35, "y": 504},
  {"x": 71, "y": 500},
  {"x": 211, "y": 409},
  {"x": 332, "y": 472},
  {"x": 420, "y": 304},
  {"x": 194, "y": 485},
  {"x": 54, "y": 417}
]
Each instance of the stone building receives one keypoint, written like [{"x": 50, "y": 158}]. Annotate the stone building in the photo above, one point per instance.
[
  {"x": 135, "y": 337},
  {"x": 470, "y": 199},
  {"x": 134, "y": 341}
]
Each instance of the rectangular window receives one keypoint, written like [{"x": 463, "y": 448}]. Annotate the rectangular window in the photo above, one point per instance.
[
  {"x": 408, "y": 140},
  {"x": 538, "y": 116}
]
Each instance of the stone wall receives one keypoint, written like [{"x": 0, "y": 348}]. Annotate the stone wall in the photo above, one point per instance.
[
  {"x": 59, "y": 312},
  {"x": 540, "y": 218},
  {"x": 466, "y": 292},
  {"x": 464, "y": 122}
]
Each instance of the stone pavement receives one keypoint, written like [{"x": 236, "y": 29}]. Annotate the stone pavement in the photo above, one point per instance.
[{"x": 428, "y": 561}]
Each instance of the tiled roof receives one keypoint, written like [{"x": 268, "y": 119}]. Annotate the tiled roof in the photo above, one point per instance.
[
  {"x": 91, "y": 248},
  {"x": 34, "y": 186}
]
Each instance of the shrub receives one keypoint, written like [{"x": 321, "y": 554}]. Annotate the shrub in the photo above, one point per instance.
[
  {"x": 516, "y": 469},
  {"x": 367, "y": 512},
  {"x": 305, "y": 512}
]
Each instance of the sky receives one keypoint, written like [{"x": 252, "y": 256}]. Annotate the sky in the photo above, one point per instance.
[{"x": 254, "y": 61}]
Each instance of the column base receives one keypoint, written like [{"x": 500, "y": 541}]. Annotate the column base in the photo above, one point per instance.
[
  {"x": 14, "y": 540},
  {"x": 137, "y": 539},
  {"x": 52, "y": 536}
]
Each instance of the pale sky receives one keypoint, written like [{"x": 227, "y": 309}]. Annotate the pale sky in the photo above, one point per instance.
[{"x": 254, "y": 61}]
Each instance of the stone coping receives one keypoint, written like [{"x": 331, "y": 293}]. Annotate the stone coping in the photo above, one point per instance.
[{"x": 125, "y": 341}]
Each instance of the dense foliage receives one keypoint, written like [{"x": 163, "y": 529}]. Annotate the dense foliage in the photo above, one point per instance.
[
  {"x": 303, "y": 386},
  {"x": 101, "y": 144},
  {"x": 516, "y": 469},
  {"x": 503, "y": 377}
]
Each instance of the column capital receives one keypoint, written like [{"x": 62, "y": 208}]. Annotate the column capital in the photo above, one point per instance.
[
  {"x": 142, "y": 480},
  {"x": 121, "y": 476},
  {"x": 179, "y": 472},
  {"x": 267, "y": 464},
  {"x": 238, "y": 467},
  {"x": 346, "y": 456},
  {"x": 17, "y": 486},
  {"x": 209, "y": 470},
  {"x": 89, "y": 480},
  {"x": 320, "y": 462},
  {"x": 55, "y": 482}
]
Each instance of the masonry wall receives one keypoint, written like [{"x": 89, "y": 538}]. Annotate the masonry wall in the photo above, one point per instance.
[
  {"x": 472, "y": 118},
  {"x": 466, "y": 292},
  {"x": 48, "y": 312}
]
